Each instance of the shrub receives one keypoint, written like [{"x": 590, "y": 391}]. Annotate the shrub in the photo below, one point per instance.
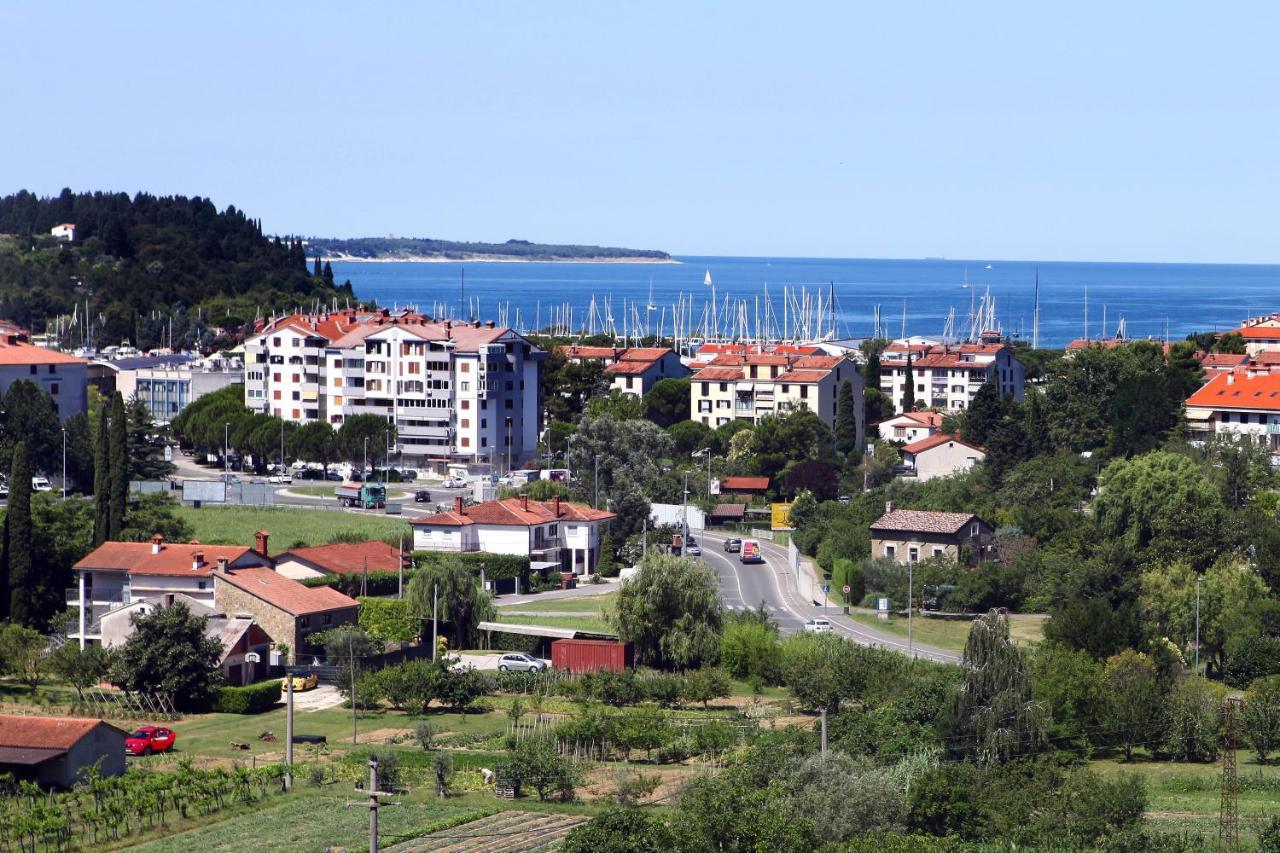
[
  {"x": 378, "y": 583},
  {"x": 749, "y": 650},
  {"x": 253, "y": 699},
  {"x": 536, "y": 763},
  {"x": 703, "y": 685},
  {"x": 1191, "y": 733},
  {"x": 423, "y": 733},
  {"x": 1262, "y": 716},
  {"x": 664, "y": 688},
  {"x": 1249, "y": 658},
  {"x": 388, "y": 619}
]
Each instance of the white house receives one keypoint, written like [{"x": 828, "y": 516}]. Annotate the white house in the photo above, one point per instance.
[
  {"x": 947, "y": 376},
  {"x": 638, "y": 368},
  {"x": 550, "y": 533},
  {"x": 63, "y": 377},
  {"x": 910, "y": 426},
  {"x": 65, "y": 231},
  {"x": 1237, "y": 402},
  {"x": 939, "y": 455}
]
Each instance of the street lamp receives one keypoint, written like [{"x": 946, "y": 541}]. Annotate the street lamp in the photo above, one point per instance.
[
  {"x": 64, "y": 463},
  {"x": 695, "y": 455},
  {"x": 226, "y": 453},
  {"x": 364, "y": 465}
]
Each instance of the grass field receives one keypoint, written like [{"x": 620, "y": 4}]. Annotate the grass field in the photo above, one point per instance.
[
  {"x": 586, "y": 622},
  {"x": 288, "y": 526},
  {"x": 595, "y": 605},
  {"x": 395, "y": 493},
  {"x": 951, "y": 633}
]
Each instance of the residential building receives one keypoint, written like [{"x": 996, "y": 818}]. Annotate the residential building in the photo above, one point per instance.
[
  {"x": 63, "y": 377},
  {"x": 912, "y": 536},
  {"x": 56, "y": 752},
  {"x": 1220, "y": 362},
  {"x": 743, "y": 487},
  {"x": 638, "y": 368},
  {"x": 939, "y": 455},
  {"x": 948, "y": 376},
  {"x": 115, "y": 574},
  {"x": 65, "y": 231},
  {"x": 287, "y": 611},
  {"x": 340, "y": 558},
  {"x": 456, "y": 392},
  {"x": 754, "y": 386},
  {"x": 169, "y": 383},
  {"x": 1261, "y": 334},
  {"x": 1237, "y": 402},
  {"x": 910, "y": 426},
  {"x": 580, "y": 354},
  {"x": 555, "y": 535}
]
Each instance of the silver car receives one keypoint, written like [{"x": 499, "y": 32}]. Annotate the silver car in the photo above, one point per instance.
[{"x": 520, "y": 662}]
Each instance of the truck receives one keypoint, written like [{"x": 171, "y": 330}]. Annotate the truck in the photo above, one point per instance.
[
  {"x": 750, "y": 552},
  {"x": 366, "y": 495}
]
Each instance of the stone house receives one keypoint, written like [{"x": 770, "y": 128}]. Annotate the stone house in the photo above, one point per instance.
[
  {"x": 912, "y": 536},
  {"x": 54, "y": 752},
  {"x": 286, "y": 610}
]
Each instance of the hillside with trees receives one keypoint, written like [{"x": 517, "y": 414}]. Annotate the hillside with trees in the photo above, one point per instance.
[
  {"x": 411, "y": 248},
  {"x": 149, "y": 269}
]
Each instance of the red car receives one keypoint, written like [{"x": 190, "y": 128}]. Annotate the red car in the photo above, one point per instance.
[{"x": 149, "y": 739}]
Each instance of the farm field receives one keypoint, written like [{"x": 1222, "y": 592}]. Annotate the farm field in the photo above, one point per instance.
[{"x": 288, "y": 526}]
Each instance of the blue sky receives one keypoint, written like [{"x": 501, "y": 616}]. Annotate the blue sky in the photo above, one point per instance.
[{"x": 1097, "y": 131}]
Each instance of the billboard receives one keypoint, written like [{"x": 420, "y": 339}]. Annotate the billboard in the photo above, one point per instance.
[{"x": 780, "y": 516}]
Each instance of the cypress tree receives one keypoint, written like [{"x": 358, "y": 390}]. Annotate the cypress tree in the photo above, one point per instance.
[
  {"x": 909, "y": 395},
  {"x": 846, "y": 420},
  {"x": 871, "y": 372},
  {"x": 23, "y": 595},
  {"x": 118, "y": 448},
  {"x": 316, "y": 269},
  {"x": 101, "y": 479},
  {"x": 328, "y": 272}
]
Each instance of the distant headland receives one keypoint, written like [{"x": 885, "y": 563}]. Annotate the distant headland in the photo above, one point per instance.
[{"x": 390, "y": 249}]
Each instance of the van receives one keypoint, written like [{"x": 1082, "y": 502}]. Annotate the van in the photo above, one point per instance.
[
  {"x": 40, "y": 484},
  {"x": 751, "y": 552}
]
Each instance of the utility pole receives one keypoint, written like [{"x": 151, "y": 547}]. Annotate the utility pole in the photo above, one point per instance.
[
  {"x": 364, "y": 465},
  {"x": 373, "y": 804},
  {"x": 64, "y": 464},
  {"x": 288, "y": 729},
  {"x": 226, "y": 454},
  {"x": 684, "y": 508},
  {"x": 1197, "y": 624},
  {"x": 1229, "y": 813},
  {"x": 911, "y": 647},
  {"x": 282, "y": 447},
  {"x": 595, "y": 481},
  {"x": 400, "y": 582},
  {"x": 351, "y": 658},
  {"x": 435, "y": 619},
  {"x": 824, "y": 731}
]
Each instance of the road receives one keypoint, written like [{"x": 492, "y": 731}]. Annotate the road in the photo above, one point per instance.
[{"x": 776, "y": 585}]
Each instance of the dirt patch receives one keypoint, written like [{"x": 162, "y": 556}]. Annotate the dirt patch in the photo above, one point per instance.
[
  {"x": 602, "y": 779},
  {"x": 384, "y": 735}
]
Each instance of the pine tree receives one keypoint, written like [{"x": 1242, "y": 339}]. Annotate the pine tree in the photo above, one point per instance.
[
  {"x": 17, "y": 540},
  {"x": 316, "y": 269},
  {"x": 846, "y": 420},
  {"x": 118, "y": 448},
  {"x": 909, "y": 394},
  {"x": 101, "y": 479}
]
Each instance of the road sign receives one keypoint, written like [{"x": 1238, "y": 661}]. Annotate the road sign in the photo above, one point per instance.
[
  {"x": 826, "y": 587},
  {"x": 252, "y": 657},
  {"x": 847, "y": 589}
]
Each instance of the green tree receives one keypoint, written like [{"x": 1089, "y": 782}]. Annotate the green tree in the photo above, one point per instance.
[
  {"x": 688, "y": 436},
  {"x": 462, "y": 603},
  {"x": 845, "y": 797},
  {"x": 168, "y": 655},
  {"x": 1262, "y": 716},
  {"x": 749, "y": 649},
  {"x": 846, "y": 431},
  {"x": 1135, "y": 705},
  {"x": 621, "y": 830},
  {"x": 667, "y": 402},
  {"x": 620, "y": 461},
  {"x": 79, "y": 667},
  {"x": 1068, "y": 682},
  {"x": 672, "y": 613},
  {"x": 118, "y": 462},
  {"x": 79, "y": 453},
  {"x": 101, "y": 479},
  {"x": 22, "y": 653},
  {"x": 996, "y": 711},
  {"x": 151, "y": 514},
  {"x": 145, "y": 442},
  {"x": 795, "y": 437},
  {"x": 824, "y": 670},
  {"x": 909, "y": 389},
  {"x": 536, "y": 763},
  {"x": 359, "y": 432},
  {"x": 1229, "y": 596},
  {"x": 871, "y": 349},
  {"x": 24, "y": 585},
  {"x": 1232, "y": 343},
  {"x": 617, "y": 405},
  {"x": 316, "y": 441},
  {"x": 30, "y": 418},
  {"x": 1192, "y": 730}
]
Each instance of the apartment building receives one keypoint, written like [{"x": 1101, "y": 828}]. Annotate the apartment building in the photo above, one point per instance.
[
  {"x": 637, "y": 369},
  {"x": 167, "y": 384},
  {"x": 63, "y": 377},
  {"x": 754, "y": 386},
  {"x": 948, "y": 376},
  {"x": 1237, "y": 402},
  {"x": 456, "y": 392}
]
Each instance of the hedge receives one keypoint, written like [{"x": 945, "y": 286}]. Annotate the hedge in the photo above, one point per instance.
[
  {"x": 379, "y": 583},
  {"x": 253, "y": 699},
  {"x": 497, "y": 567},
  {"x": 388, "y": 618}
]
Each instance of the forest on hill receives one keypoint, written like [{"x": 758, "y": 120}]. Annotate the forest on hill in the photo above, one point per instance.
[
  {"x": 148, "y": 268},
  {"x": 411, "y": 248}
]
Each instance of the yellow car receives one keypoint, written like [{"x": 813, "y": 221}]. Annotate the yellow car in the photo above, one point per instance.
[{"x": 301, "y": 681}]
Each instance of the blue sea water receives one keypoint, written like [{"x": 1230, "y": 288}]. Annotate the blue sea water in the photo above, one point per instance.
[{"x": 1151, "y": 298}]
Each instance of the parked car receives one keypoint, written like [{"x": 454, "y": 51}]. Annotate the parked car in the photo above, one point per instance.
[
  {"x": 4, "y": 491},
  {"x": 454, "y": 483},
  {"x": 301, "y": 681},
  {"x": 285, "y": 479},
  {"x": 40, "y": 484},
  {"x": 732, "y": 546},
  {"x": 149, "y": 739},
  {"x": 333, "y": 476},
  {"x": 817, "y": 626},
  {"x": 422, "y": 496},
  {"x": 408, "y": 474},
  {"x": 520, "y": 662},
  {"x": 692, "y": 548}
]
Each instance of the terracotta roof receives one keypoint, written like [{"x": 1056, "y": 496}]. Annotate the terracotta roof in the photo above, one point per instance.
[
  {"x": 719, "y": 374},
  {"x": 54, "y": 733},
  {"x": 174, "y": 559},
  {"x": 645, "y": 353},
  {"x": 1082, "y": 343},
  {"x": 1269, "y": 333},
  {"x": 343, "y": 558},
  {"x": 936, "y": 440},
  {"x": 1234, "y": 390},
  {"x": 1223, "y": 359},
  {"x": 1267, "y": 357},
  {"x": 513, "y": 512},
  {"x": 13, "y": 351},
  {"x": 631, "y": 368},
  {"x": 588, "y": 352},
  {"x": 285, "y": 593},
  {"x": 818, "y": 362},
  {"x": 779, "y": 349},
  {"x": 729, "y": 511},
  {"x": 951, "y": 360},
  {"x": 931, "y": 419},
  {"x": 745, "y": 483},
  {"x": 921, "y": 521},
  {"x": 803, "y": 377}
]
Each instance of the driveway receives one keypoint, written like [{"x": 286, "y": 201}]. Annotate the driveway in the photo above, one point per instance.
[{"x": 324, "y": 696}]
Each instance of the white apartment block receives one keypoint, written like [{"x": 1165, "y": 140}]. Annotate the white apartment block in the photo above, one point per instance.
[
  {"x": 948, "y": 376},
  {"x": 1237, "y": 402},
  {"x": 63, "y": 377},
  {"x": 754, "y": 386},
  {"x": 465, "y": 392}
]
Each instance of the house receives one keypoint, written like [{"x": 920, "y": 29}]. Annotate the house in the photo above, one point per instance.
[
  {"x": 910, "y": 426},
  {"x": 939, "y": 455},
  {"x": 340, "y": 558},
  {"x": 911, "y": 536},
  {"x": 745, "y": 487},
  {"x": 725, "y": 513},
  {"x": 456, "y": 392},
  {"x": 65, "y": 231},
  {"x": 555, "y": 535},
  {"x": 55, "y": 752},
  {"x": 753, "y": 386},
  {"x": 287, "y": 611},
  {"x": 116, "y": 574},
  {"x": 63, "y": 377},
  {"x": 580, "y": 354},
  {"x": 1261, "y": 334},
  {"x": 1218, "y": 362},
  {"x": 638, "y": 368},
  {"x": 1237, "y": 402},
  {"x": 947, "y": 376}
]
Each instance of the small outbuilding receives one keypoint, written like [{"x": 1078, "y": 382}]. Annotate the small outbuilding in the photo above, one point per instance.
[{"x": 55, "y": 752}]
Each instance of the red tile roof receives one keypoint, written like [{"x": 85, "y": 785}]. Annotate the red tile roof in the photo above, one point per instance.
[
  {"x": 931, "y": 419},
  {"x": 745, "y": 484},
  {"x": 1234, "y": 390},
  {"x": 58, "y": 733},
  {"x": 818, "y": 362},
  {"x": 729, "y": 511},
  {"x": 343, "y": 558},
  {"x": 920, "y": 521},
  {"x": 631, "y": 368},
  {"x": 513, "y": 512},
  {"x": 803, "y": 377},
  {"x": 609, "y": 353},
  {"x": 174, "y": 559},
  {"x": 936, "y": 440},
  {"x": 14, "y": 351},
  {"x": 782, "y": 349},
  {"x": 1265, "y": 333},
  {"x": 1223, "y": 359},
  {"x": 719, "y": 374},
  {"x": 645, "y": 353},
  {"x": 285, "y": 593}
]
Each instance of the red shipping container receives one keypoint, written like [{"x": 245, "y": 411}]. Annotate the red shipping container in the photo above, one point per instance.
[{"x": 578, "y": 656}]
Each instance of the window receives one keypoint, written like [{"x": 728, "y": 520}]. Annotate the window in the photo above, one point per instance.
[
  {"x": 890, "y": 550},
  {"x": 706, "y": 388},
  {"x": 466, "y": 404},
  {"x": 804, "y": 392},
  {"x": 466, "y": 423},
  {"x": 337, "y": 382},
  {"x": 275, "y": 342},
  {"x": 484, "y": 442},
  {"x": 276, "y": 394},
  {"x": 974, "y": 529},
  {"x": 297, "y": 413},
  {"x": 724, "y": 386},
  {"x": 200, "y": 585},
  {"x": 937, "y": 552},
  {"x": 786, "y": 389},
  {"x": 484, "y": 423},
  {"x": 466, "y": 386},
  {"x": 466, "y": 442},
  {"x": 326, "y": 619},
  {"x": 297, "y": 377},
  {"x": 34, "y": 369},
  {"x": 913, "y": 555},
  {"x": 506, "y": 404},
  {"x": 53, "y": 389},
  {"x": 466, "y": 367},
  {"x": 53, "y": 369},
  {"x": 337, "y": 400},
  {"x": 704, "y": 405},
  {"x": 275, "y": 377}
]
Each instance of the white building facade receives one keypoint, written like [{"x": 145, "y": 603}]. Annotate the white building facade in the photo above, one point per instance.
[{"x": 948, "y": 377}]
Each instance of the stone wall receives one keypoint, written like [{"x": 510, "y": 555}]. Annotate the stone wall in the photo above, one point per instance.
[{"x": 281, "y": 626}]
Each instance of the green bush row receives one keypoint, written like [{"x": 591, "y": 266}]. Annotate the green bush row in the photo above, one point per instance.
[{"x": 253, "y": 699}]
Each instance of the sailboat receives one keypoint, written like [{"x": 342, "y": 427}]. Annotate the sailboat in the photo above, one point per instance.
[{"x": 651, "y": 306}]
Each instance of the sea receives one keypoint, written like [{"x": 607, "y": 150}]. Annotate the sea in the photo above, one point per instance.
[{"x": 928, "y": 297}]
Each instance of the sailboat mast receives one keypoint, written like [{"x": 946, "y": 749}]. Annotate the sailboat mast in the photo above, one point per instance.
[{"x": 1035, "y": 315}]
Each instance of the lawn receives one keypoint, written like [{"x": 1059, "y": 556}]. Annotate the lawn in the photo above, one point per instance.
[
  {"x": 950, "y": 633},
  {"x": 595, "y": 605},
  {"x": 585, "y": 622},
  {"x": 288, "y": 526}
]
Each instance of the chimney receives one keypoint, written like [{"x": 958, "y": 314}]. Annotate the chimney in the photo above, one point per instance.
[
  {"x": 457, "y": 504},
  {"x": 888, "y": 507},
  {"x": 261, "y": 536},
  {"x": 556, "y": 505},
  {"x": 524, "y": 502},
  {"x": 197, "y": 560},
  {"x": 222, "y": 564},
  {"x": 157, "y": 543}
]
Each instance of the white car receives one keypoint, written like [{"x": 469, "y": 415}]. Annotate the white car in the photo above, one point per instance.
[
  {"x": 285, "y": 479},
  {"x": 454, "y": 483},
  {"x": 520, "y": 662},
  {"x": 692, "y": 548},
  {"x": 40, "y": 484},
  {"x": 817, "y": 626}
]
